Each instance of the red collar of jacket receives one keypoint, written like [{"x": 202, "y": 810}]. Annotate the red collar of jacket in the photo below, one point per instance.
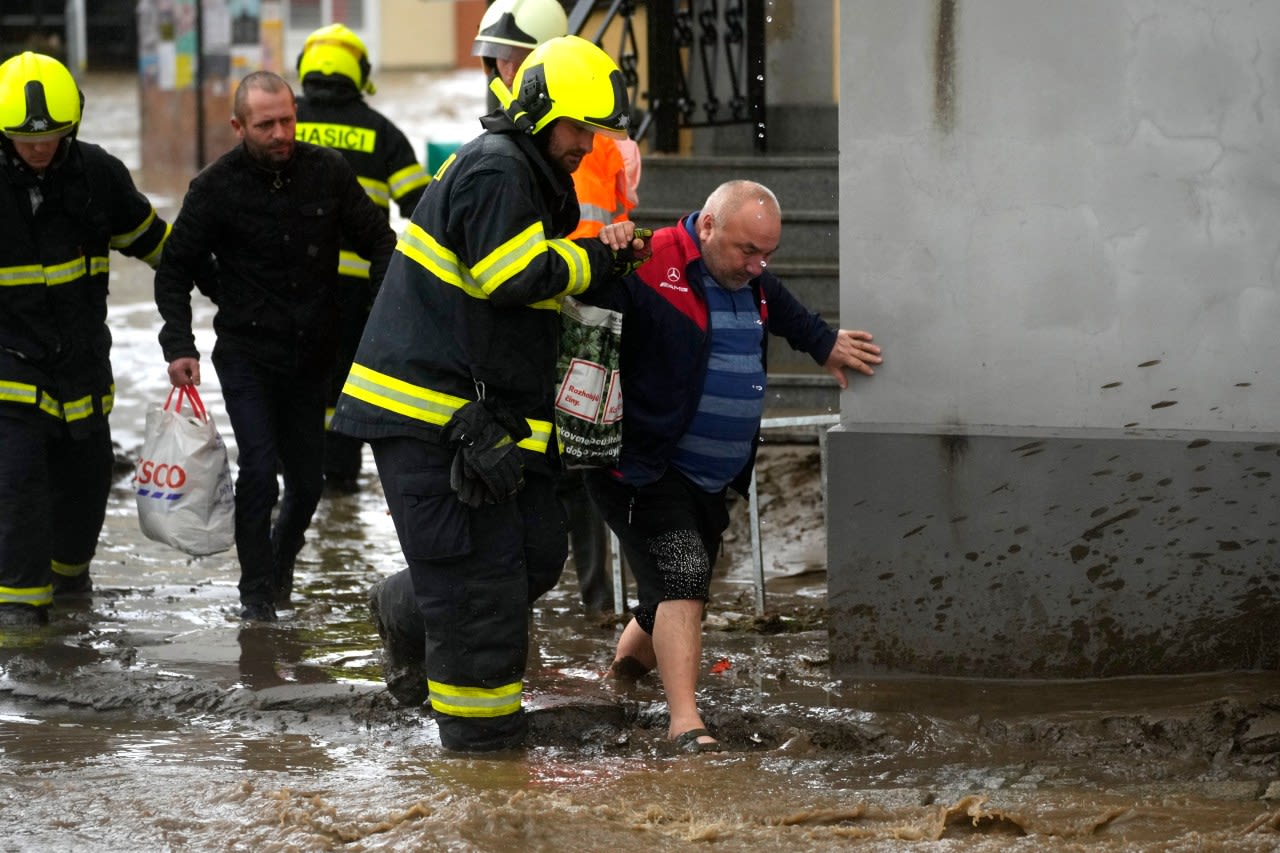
[{"x": 675, "y": 270}]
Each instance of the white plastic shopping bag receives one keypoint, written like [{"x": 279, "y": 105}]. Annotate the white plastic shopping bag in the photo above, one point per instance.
[{"x": 183, "y": 480}]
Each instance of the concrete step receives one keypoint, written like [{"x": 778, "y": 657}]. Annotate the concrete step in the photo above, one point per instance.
[
  {"x": 815, "y": 283},
  {"x": 801, "y": 182},
  {"x": 805, "y": 233},
  {"x": 808, "y": 261}
]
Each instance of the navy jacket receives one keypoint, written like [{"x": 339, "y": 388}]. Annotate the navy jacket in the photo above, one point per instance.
[{"x": 666, "y": 346}]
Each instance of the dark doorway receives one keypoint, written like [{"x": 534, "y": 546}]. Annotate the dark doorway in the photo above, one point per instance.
[{"x": 111, "y": 31}]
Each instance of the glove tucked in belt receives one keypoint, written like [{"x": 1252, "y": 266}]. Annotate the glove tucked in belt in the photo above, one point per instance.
[{"x": 486, "y": 467}]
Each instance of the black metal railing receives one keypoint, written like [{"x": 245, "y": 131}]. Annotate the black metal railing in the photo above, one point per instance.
[{"x": 706, "y": 63}]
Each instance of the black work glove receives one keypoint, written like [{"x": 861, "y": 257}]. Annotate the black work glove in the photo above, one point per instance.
[
  {"x": 625, "y": 261},
  {"x": 487, "y": 467}
]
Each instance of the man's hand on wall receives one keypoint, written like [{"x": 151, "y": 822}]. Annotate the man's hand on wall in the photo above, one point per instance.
[{"x": 853, "y": 351}]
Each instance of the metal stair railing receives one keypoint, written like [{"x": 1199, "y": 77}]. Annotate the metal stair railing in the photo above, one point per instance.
[
  {"x": 706, "y": 63},
  {"x": 753, "y": 509}
]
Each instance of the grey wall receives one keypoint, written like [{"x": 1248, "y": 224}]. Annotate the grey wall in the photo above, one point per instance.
[
  {"x": 1062, "y": 222},
  {"x": 798, "y": 62}
]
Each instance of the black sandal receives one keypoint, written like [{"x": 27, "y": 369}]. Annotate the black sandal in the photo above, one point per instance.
[{"x": 688, "y": 742}]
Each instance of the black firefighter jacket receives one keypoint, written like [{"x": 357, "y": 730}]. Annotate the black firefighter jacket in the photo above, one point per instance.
[
  {"x": 275, "y": 238},
  {"x": 336, "y": 116},
  {"x": 55, "y": 236},
  {"x": 471, "y": 303}
]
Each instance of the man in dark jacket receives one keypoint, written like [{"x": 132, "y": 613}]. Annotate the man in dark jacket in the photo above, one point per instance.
[
  {"x": 696, "y": 324},
  {"x": 64, "y": 204},
  {"x": 454, "y": 380},
  {"x": 334, "y": 68},
  {"x": 273, "y": 212}
]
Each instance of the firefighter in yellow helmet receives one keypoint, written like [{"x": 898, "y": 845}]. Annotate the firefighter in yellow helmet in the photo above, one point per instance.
[
  {"x": 335, "y": 74},
  {"x": 606, "y": 180},
  {"x": 605, "y": 183},
  {"x": 454, "y": 380},
  {"x": 64, "y": 204}
]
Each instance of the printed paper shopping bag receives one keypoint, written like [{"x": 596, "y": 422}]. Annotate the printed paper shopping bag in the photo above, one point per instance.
[
  {"x": 589, "y": 397},
  {"x": 183, "y": 480}
]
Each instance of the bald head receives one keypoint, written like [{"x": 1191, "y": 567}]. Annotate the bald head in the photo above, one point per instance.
[
  {"x": 742, "y": 196},
  {"x": 739, "y": 228},
  {"x": 260, "y": 81},
  {"x": 265, "y": 118}
]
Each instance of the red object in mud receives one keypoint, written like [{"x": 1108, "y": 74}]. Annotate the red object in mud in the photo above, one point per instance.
[{"x": 720, "y": 666}]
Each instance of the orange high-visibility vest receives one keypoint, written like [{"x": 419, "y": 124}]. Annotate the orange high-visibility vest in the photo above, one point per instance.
[{"x": 606, "y": 187}]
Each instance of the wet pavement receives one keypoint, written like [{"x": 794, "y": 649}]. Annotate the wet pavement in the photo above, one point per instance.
[{"x": 147, "y": 717}]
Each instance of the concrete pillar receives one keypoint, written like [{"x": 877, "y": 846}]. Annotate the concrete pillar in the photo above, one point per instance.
[{"x": 1059, "y": 220}]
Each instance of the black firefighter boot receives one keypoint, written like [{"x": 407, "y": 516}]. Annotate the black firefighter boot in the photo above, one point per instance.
[
  {"x": 404, "y": 638},
  {"x": 23, "y": 616}
]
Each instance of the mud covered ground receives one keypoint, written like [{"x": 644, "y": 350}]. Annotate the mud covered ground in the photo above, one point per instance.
[{"x": 154, "y": 688}]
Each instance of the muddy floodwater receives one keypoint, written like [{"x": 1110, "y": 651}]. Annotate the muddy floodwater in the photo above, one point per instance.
[{"x": 149, "y": 718}]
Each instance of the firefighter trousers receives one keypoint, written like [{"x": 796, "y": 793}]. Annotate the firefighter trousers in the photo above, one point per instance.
[
  {"x": 53, "y": 500},
  {"x": 475, "y": 574}
]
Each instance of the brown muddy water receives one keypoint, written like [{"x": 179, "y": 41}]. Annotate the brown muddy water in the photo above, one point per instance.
[{"x": 149, "y": 718}]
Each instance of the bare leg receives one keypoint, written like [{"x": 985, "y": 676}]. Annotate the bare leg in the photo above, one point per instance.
[
  {"x": 634, "y": 656},
  {"x": 677, "y": 642}
]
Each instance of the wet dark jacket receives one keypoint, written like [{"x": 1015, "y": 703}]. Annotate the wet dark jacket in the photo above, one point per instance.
[
  {"x": 275, "y": 236},
  {"x": 473, "y": 295},
  {"x": 54, "y": 343},
  {"x": 333, "y": 114},
  {"x": 666, "y": 346}
]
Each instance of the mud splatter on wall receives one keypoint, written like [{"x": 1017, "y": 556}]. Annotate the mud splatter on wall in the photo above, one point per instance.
[{"x": 944, "y": 62}]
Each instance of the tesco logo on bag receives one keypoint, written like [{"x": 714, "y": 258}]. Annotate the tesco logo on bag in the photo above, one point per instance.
[{"x": 159, "y": 481}]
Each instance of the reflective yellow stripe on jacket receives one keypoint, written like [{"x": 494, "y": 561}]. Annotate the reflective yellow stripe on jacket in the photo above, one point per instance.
[
  {"x": 18, "y": 392},
  {"x": 54, "y": 274},
  {"x": 500, "y": 265},
  {"x": 407, "y": 180},
  {"x": 75, "y": 410},
  {"x": 377, "y": 191},
  {"x": 474, "y": 701},
  {"x": 351, "y": 264},
  {"x": 597, "y": 214},
  {"x": 422, "y": 404},
  {"x": 128, "y": 238}
]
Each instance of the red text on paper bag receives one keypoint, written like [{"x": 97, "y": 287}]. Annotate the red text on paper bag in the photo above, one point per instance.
[
  {"x": 613, "y": 403},
  {"x": 581, "y": 390}
]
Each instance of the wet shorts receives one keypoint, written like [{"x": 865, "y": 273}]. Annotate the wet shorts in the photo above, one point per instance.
[{"x": 670, "y": 534}]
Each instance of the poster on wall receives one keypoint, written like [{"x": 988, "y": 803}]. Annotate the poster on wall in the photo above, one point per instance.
[
  {"x": 148, "y": 43},
  {"x": 176, "y": 52},
  {"x": 216, "y": 44},
  {"x": 167, "y": 43},
  {"x": 273, "y": 36},
  {"x": 245, "y": 18}
]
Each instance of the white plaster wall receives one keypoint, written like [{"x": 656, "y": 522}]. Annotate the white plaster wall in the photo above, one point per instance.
[{"x": 1093, "y": 242}]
